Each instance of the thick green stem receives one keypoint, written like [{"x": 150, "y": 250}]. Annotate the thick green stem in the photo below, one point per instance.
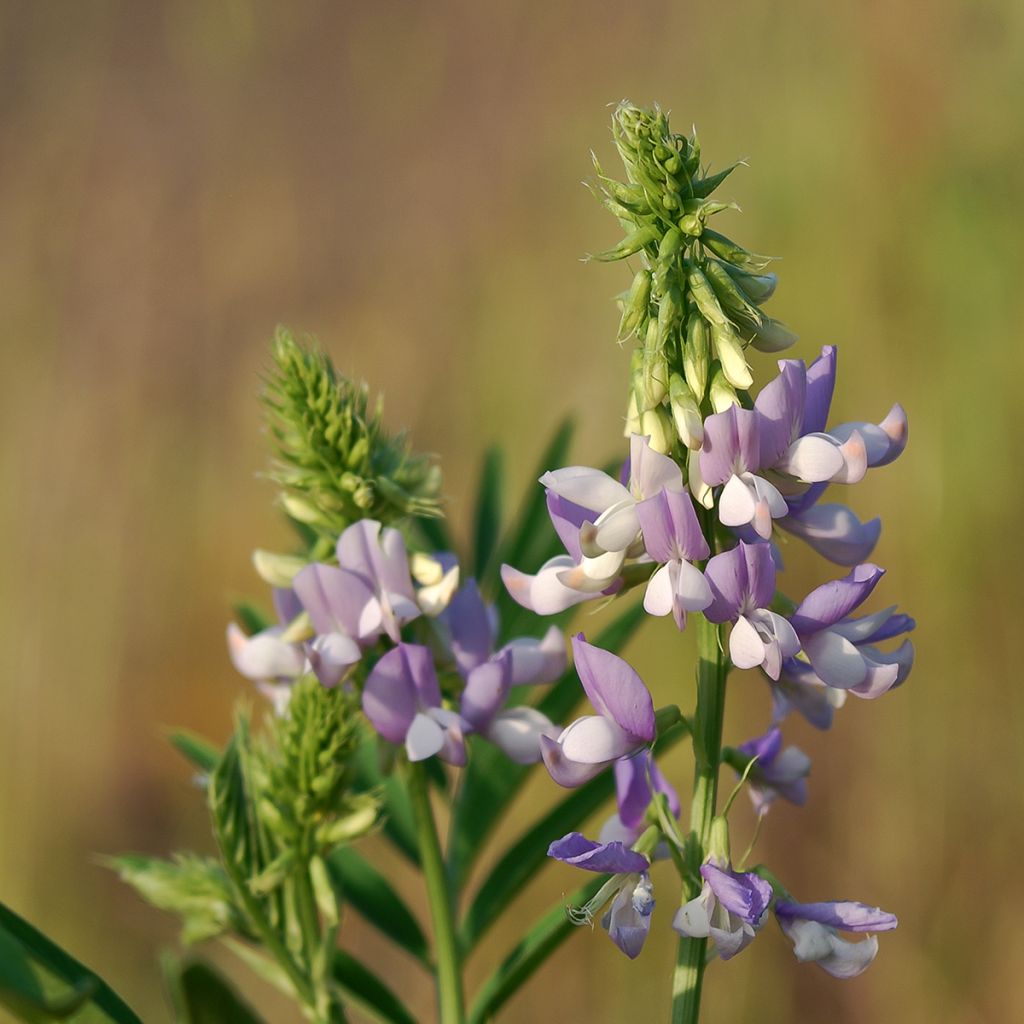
[
  {"x": 446, "y": 949},
  {"x": 707, "y": 745}
]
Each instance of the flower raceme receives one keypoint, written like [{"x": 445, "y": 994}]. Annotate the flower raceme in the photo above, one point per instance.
[{"x": 813, "y": 929}]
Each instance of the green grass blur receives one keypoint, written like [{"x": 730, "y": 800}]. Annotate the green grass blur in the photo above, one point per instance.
[{"x": 402, "y": 180}]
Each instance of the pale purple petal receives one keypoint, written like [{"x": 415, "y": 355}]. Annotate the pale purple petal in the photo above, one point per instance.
[
  {"x": 615, "y": 690},
  {"x": 650, "y": 471},
  {"x": 335, "y": 599},
  {"x": 590, "y": 488},
  {"x": 741, "y": 892},
  {"x": 604, "y": 858},
  {"x": 567, "y": 519},
  {"x": 835, "y": 532},
  {"x": 569, "y": 774},
  {"x": 390, "y": 696},
  {"x": 544, "y": 593},
  {"x": 730, "y": 445},
  {"x": 633, "y": 791},
  {"x": 595, "y": 739},
  {"x": 670, "y": 527},
  {"x": 518, "y": 731},
  {"x": 537, "y": 661},
  {"x": 821, "y": 381},
  {"x": 330, "y": 655},
  {"x": 727, "y": 576},
  {"x": 286, "y": 604},
  {"x": 628, "y": 920},
  {"x": 780, "y": 410},
  {"x": 485, "y": 691},
  {"x": 424, "y": 738},
  {"x": 846, "y": 915},
  {"x": 833, "y": 601},
  {"x": 264, "y": 655},
  {"x": 470, "y": 627},
  {"x": 765, "y": 748}
]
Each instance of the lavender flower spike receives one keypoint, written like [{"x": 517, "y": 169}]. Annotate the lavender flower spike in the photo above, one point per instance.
[
  {"x": 730, "y": 909},
  {"x": 624, "y": 722},
  {"x": 812, "y": 927},
  {"x": 628, "y": 920},
  {"x": 402, "y": 699},
  {"x": 841, "y": 650},
  {"x": 777, "y": 772},
  {"x": 742, "y": 583},
  {"x": 673, "y": 537}
]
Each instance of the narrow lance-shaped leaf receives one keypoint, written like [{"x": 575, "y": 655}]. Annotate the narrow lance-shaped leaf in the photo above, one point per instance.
[
  {"x": 203, "y": 996},
  {"x": 36, "y": 975},
  {"x": 369, "y": 893},
  {"x": 487, "y": 527},
  {"x": 529, "y": 954},
  {"x": 367, "y": 993}
]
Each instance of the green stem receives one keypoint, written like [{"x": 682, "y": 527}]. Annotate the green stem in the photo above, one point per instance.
[
  {"x": 707, "y": 745},
  {"x": 326, "y": 1009},
  {"x": 446, "y": 949}
]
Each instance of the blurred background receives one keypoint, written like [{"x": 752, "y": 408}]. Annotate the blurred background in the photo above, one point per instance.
[{"x": 401, "y": 180}]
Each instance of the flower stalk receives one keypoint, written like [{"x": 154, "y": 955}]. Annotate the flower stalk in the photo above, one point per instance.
[{"x": 446, "y": 948}]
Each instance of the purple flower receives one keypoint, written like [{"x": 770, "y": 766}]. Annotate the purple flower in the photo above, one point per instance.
[
  {"x": 742, "y": 584},
  {"x": 673, "y": 537},
  {"x": 370, "y": 592},
  {"x": 402, "y": 699},
  {"x": 812, "y": 927},
  {"x": 596, "y": 518},
  {"x": 271, "y": 662},
  {"x": 777, "y": 772},
  {"x": 637, "y": 780},
  {"x": 832, "y": 530},
  {"x": 489, "y": 676},
  {"x": 628, "y": 919},
  {"x": 623, "y": 724},
  {"x": 840, "y": 649},
  {"x": 730, "y": 909},
  {"x": 799, "y": 689}
]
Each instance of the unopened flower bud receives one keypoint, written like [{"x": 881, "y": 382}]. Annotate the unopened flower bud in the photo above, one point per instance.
[
  {"x": 729, "y": 350},
  {"x": 701, "y": 491},
  {"x": 718, "y": 841},
  {"x": 635, "y": 307},
  {"x": 705, "y": 298},
  {"x": 670, "y": 309},
  {"x": 697, "y": 355},
  {"x": 685, "y": 413},
  {"x": 723, "y": 395},
  {"x": 657, "y": 425},
  {"x": 772, "y": 336},
  {"x": 632, "y": 417}
]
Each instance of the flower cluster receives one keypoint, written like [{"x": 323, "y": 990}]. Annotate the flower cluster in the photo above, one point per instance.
[
  {"x": 712, "y": 475},
  {"x": 367, "y": 623}
]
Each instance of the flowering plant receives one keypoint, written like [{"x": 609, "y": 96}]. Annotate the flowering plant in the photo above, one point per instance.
[{"x": 402, "y": 676}]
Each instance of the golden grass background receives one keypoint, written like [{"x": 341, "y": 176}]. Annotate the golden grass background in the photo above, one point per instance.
[{"x": 402, "y": 180}]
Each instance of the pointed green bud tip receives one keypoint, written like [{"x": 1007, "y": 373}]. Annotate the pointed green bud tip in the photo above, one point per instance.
[
  {"x": 718, "y": 841},
  {"x": 635, "y": 306},
  {"x": 277, "y": 570},
  {"x": 723, "y": 394},
  {"x": 686, "y": 413}
]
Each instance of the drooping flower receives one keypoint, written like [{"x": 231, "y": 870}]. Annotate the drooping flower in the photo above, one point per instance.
[
  {"x": 628, "y": 919},
  {"x": 799, "y": 689},
  {"x": 672, "y": 536},
  {"x": 742, "y": 582},
  {"x": 730, "y": 908},
  {"x": 637, "y": 780},
  {"x": 596, "y": 519},
  {"x": 624, "y": 722},
  {"x": 813, "y": 929},
  {"x": 841, "y": 649},
  {"x": 402, "y": 698},
  {"x": 369, "y": 593},
  {"x": 272, "y": 662},
  {"x": 776, "y": 772}
]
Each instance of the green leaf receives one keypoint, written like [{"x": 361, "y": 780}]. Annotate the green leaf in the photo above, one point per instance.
[
  {"x": 251, "y": 617},
  {"x": 36, "y": 975},
  {"x": 367, "y": 993},
  {"x": 487, "y": 519},
  {"x": 200, "y": 752},
  {"x": 490, "y": 781},
  {"x": 528, "y": 954},
  {"x": 528, "y": 854},
  {"x": 204, "y": 996},
  {"x": 369, "y": 893}
]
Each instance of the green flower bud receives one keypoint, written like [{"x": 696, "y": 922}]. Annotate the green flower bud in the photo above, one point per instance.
[
  {"x": 653, "y": 381},
  {"x": 697, "y": 355},
  {"x": 772, "y": 336},
  {"x": 705, "y": 298},
  {"x": 671, "y": 243},
  {"x": 727, "y": 250},
  {"x": 729, "y": 350},
  {"x": 685, "y": 413},
  {"x": 277, "y": 570},
  {"x": 718, "y": 840},
  {"x": 730, "y": 295},
  {"x": 702, "y": 493},
  {"x": 302, "y": 510},
  {"x": 691, "y": 224},
  {"x": 670, "y": 311},
  {"x": 657, "y": 425},
  {"x": 635, "y": 309},
  {"x": 759, "y": 288},
  {"x": 630, "y": 245},
  {"x": 723, "y": 394},
  {"x": 633, "y": 425}
]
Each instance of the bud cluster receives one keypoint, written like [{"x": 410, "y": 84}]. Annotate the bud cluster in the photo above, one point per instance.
[{"x": 694, "y": 304}]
